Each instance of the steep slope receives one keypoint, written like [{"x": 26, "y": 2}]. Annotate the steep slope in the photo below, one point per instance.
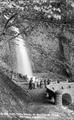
[{"x": 12, "y": 97}]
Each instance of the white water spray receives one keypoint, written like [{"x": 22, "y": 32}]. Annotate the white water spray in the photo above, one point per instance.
[{"x": 23, "y": 62}]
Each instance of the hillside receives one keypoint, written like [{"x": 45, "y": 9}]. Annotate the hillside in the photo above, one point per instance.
[{"x": 43, "y": 49}]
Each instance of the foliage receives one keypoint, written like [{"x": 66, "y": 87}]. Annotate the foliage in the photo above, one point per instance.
[{"x": 57, "y": 11}]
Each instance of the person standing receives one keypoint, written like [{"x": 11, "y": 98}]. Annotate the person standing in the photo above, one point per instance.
[
  {"x": 45, "y": 83},
  {"x": 41, "y": 84},
  {"x": 48, "y": 82},
  {"x": 30, "y": 84}
]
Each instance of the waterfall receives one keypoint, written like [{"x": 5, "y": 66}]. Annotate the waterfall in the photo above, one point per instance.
[{"x": 22, "y": 59}]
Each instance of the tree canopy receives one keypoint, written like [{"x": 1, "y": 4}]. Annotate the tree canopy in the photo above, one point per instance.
[{"x": 54, "y": 11}]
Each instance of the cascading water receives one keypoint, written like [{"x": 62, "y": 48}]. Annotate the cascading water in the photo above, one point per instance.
[{"x": 23, "y": 62}]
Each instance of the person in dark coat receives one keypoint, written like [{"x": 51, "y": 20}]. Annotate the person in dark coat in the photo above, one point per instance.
[
  {"x": 41, "y": 84},
  {"x": 30, "y": 84},
  {"x": 48, "y": 82},
  {"x": 45, "y": 83}
]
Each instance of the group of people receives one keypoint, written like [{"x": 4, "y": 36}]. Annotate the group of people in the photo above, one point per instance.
[
  {"x": 32, "y": 84},
  {"x": 38, "y": 84}
]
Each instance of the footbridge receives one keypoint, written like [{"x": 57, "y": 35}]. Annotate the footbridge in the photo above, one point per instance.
[{"x": 63, "y": 92}]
